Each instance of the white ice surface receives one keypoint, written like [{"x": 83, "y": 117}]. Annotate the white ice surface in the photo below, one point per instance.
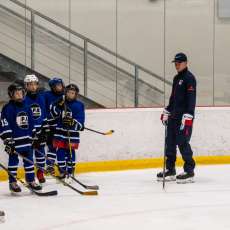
[{"x": 127, "y": 200}]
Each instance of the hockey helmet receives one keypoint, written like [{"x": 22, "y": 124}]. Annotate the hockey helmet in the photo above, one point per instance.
[
  {"x": 71, "y": 87},
  {"x": 54, "y": 81},
  {"x": 13, "y": 88},
  {"x": 30, "y": 78}
]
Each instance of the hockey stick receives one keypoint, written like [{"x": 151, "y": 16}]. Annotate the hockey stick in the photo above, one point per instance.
[
  {"x": 50, "y": 193},
  {"x": 164, "y": 163},
  {"x": 90, "y": 193},
  {"x": 110, "y": 132},
  {"x": 93, "y": 187},
  {"x": 87, "y": 193},
  {"x": 69, "y": 143}
]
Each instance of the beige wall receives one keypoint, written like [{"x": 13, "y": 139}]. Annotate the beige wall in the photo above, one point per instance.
[{"x": 189, "y": 27}]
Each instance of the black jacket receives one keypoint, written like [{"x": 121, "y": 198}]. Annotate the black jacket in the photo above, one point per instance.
[{"x": 183, "y": 96}]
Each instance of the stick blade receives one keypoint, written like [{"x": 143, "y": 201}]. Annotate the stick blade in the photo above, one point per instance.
[
  {"x": 110, "y": 132},
  {"x": 94, "y": 187},
  {"x": 50, "y": 193},
  {"x": 90, "y": 193}
]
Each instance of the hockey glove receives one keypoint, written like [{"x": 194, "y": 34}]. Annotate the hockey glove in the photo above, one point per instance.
[
  {"x": 60, "y": 103},
  {"x": 41, "y": 138},
  {"x": 82, "y": 128},
  {"x": 165, "y": 116},
  {"x": 187, "y": 120},
  {"x": 68, "y": 122},
  {"x": 9, "y": 146},
  {"x": 36, "y": 144}
]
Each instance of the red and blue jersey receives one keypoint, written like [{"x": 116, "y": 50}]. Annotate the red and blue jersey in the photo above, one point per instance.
[{"x": 183, "y": 96}]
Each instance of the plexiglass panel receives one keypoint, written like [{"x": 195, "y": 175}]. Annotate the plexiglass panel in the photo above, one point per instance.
[{"x": 119, "y": 52}]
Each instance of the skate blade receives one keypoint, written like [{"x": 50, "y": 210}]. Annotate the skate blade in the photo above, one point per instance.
[
  {"x": 2, "y": 218},
  {"x": 185, "y": 181},
  {"x": 15, "y": 193},
  {"x": 68, "y": 180},
  {"x": 35, "y": 190},
  {"x": 41, "y": 182},
  {"x": 167, "y": 179}
]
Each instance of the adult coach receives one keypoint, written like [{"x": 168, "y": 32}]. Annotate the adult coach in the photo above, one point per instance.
[{"x": 179, "y": 116}]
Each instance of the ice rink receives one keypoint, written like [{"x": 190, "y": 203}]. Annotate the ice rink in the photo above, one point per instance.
[{"x": 127, "y": 200}]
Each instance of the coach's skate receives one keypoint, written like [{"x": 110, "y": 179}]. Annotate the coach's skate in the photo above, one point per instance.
[
  {"x": 14, "y": 187},
  {"x": 185, "y": 178},
  {"x": 170, "y": 175}
]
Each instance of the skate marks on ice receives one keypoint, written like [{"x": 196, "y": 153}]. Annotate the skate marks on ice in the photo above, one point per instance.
[{"x": 127, "y": 200}]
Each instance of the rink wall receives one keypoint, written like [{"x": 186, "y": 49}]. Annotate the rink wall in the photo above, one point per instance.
[{"x": 138, "y": 139}]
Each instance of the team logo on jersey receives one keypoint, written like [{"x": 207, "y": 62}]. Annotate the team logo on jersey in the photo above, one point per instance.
[
  {"x": 180, "y": 82},
  {"x": 67, "y": 113},
  {"x": 36, "y": 111},
  {"x": 22, "y": 120}
]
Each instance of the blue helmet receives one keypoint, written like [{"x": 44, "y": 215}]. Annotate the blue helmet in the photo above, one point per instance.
[{"x": 54, "y": 81}]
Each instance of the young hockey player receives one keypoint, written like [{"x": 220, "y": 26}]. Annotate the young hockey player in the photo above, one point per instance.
[
  {"x": 70, "y": 116},
  {"x": 36, "y": 101},
  {"x": 56, "y": 91},
  {"x": 17, "y": 130}
]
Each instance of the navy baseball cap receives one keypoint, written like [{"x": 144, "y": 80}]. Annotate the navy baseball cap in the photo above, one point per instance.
[{"x": 180, "y": 57}]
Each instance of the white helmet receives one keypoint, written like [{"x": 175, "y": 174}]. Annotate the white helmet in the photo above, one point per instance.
[{"x": 30, "y": 78}]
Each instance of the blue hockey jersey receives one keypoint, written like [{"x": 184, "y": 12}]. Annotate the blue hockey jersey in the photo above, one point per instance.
[
  {"x": 50, "y": 97},
  {"x": 36, "y": 102},
  {"x": 38, "y": 109},
  {"x": 74, "y": 109},
  {"x": 17, "y": 124}
]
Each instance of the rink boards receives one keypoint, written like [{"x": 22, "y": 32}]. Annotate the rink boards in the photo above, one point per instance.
[{"x": 138, "y": 139}]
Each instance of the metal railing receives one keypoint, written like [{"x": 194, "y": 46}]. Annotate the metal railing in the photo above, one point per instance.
[{"x": 86, "y": 53}]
